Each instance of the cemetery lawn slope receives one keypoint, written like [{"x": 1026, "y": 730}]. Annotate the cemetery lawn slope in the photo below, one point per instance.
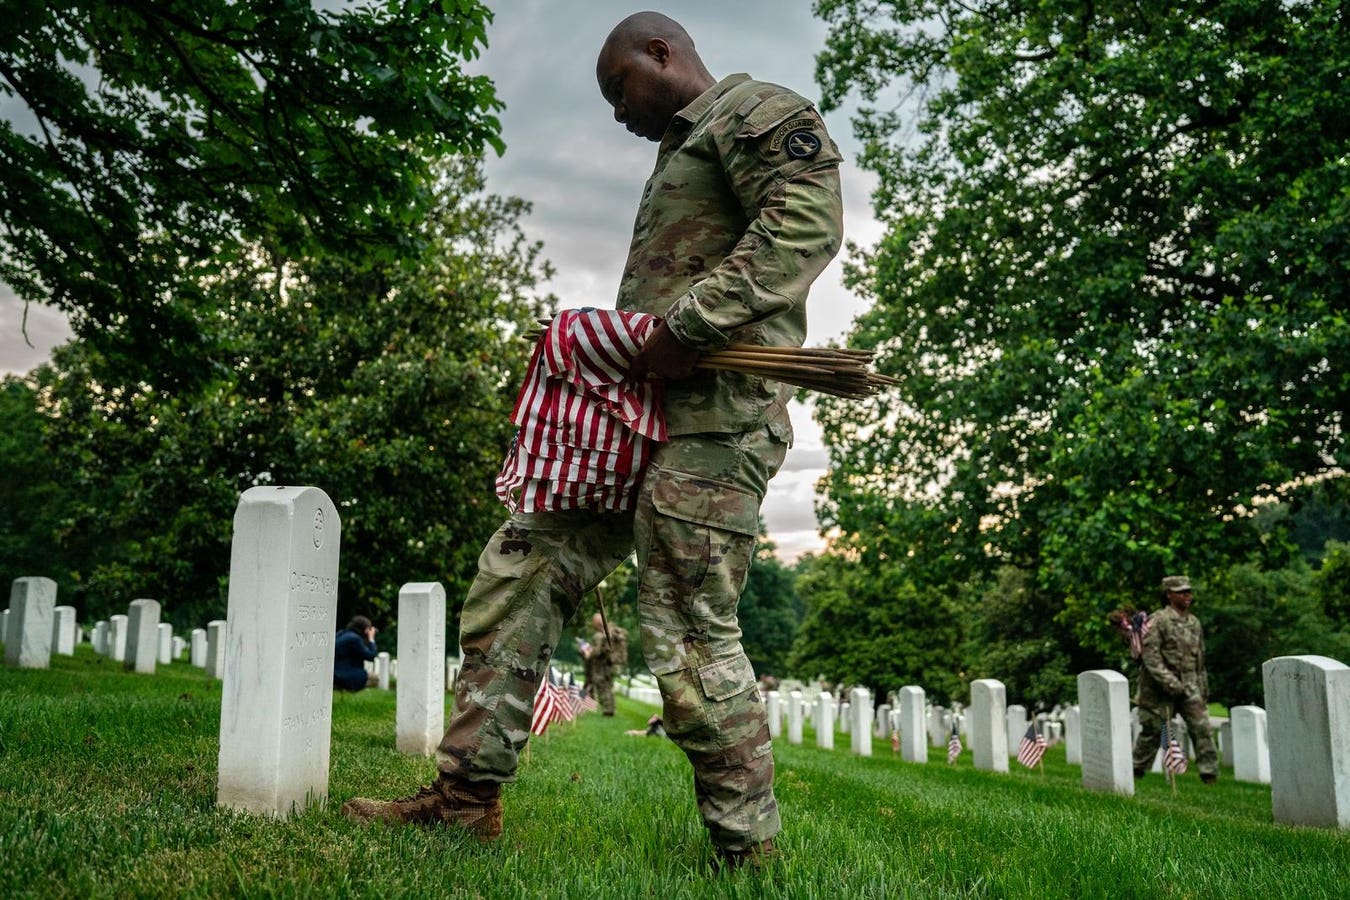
[{"x": 107, "y": 788}]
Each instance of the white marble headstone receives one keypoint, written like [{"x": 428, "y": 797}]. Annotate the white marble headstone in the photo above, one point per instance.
[
  {"x": 1251, "y": 750},
  {"x": 117, "y": 637},
  {"x": 882, "y": 721},
  {"x": 913, "y": 736},
  {"x": 142, "y": 636},
  {"x": 1016, "y": 727},
  {"x": 100, "y": 638},
  {"x": 276, "y": 701},
  {"x": 4, "y": 626},
  {"x": 28, "y": 638},
  {"x": 772, "y": 702},
  {"x": 935, "y": 736},
  {"x": 179, "y": 645},
  {"x": 420, "y": 700},
  {"x": 825, "y": 721},
  {"x": 796, "y": 716},
  {"x": 165, "y": 643},
  {"x": 988, "y": 724},
  {"x": 1073, "y": 736},
  {"x": 1308, "y": 713},
  {"x": 1104, "y": 709},
  {"x": 197, "y": 652},
  {"x": 860, "y": 733},
  {"x": 64, "y": 631},
  {"x": 382, "y": 670},
  {"x": 215, "y": 647}
]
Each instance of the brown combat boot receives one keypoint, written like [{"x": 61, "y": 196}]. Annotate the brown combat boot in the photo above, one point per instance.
[
  {"x": 756, "y": 856},
  {"x": 477, "y": 808}
]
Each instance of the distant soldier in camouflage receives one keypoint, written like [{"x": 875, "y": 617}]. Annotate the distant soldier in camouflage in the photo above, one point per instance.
[
  {"x": 1172, "y": 680},
  {"x": 606, "y": 659},
  {"x": 741, "y": 214}
]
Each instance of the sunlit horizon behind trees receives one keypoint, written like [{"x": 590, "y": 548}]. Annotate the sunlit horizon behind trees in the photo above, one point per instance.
[{"x": 1113, "y": 283}]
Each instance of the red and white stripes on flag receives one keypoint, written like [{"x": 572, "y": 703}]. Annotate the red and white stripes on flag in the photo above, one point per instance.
[
  {"x": 1174, "y": 758},
  {"x": 585, "y": 432},
  {"x": 580, "y": 701},
  {"x": 550, "y": 705},
  {"x": 1032, "y": 747},
  {"x": 953, "y": 747}
]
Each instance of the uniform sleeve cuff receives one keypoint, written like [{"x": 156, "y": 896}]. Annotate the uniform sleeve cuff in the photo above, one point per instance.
[{"x": 686, "y": 320}]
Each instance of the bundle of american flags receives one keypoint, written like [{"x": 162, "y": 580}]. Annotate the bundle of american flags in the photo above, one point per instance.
[
  {"x": 585, "y": 430},
  {"x": 1134, "y": 626},
  {"x": 1174, "y": 758},
  {"x": 1031, "y": 748},
  {"x": 953, "y": 747},
  {"x": 555, "y": 704}
]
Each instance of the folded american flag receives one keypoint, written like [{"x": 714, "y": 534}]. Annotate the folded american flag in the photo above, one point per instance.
[{"x": 585, "y": 432}]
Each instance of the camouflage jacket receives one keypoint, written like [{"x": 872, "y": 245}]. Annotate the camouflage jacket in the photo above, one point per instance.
[
  {"x": 615, "y": 653},
  {"x": 1173, "y": 664},
  {"x": 740, "y": 215}
]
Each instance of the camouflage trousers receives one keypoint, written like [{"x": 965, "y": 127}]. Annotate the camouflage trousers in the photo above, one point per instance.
[
  {"x": 602, "y": 684},
  {"x": 1196, "y": 716},
  {"x": 694, "y": 531}
]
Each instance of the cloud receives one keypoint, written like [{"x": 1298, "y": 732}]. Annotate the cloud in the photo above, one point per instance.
[{"x": 46, "y": 328}]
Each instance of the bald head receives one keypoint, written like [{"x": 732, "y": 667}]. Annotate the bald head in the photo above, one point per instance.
[
  {"x": 648, "y": 70},
  {"x": 633, "y": 33}
]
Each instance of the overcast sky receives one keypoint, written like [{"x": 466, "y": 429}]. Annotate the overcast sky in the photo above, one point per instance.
[{"x": 584, "y": 174}]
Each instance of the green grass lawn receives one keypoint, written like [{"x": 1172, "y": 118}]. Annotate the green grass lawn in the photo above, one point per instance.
[{"x": 107, "y": 788}]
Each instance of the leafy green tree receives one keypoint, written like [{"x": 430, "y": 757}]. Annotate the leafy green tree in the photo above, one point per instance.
[
  {"x": 1332, "y": 584},
  {"x": 33, "y": 491},
  {"x": 1014, "y": 633},
  {"x": 769, "y": 610},
  {"x": 149, "y": 143},
  {"x": 1113, "y": 285},
  {"x": 388, "y": 387},
  {"x": 867, "y": 624},
  {"x": 1251, "y": 615}
]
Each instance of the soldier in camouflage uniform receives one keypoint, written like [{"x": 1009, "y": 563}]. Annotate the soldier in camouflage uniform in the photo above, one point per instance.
[
  {"x": 607, "y": 657},
  {"x": 1172, "y": 680},
  {"x": 739, "y": 217}
]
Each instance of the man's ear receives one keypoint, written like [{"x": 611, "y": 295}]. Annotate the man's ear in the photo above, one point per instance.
[{"x": 659, "y": 50}]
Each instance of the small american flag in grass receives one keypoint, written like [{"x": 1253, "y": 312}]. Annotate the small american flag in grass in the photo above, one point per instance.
[
  {"x": 1174, "y": 758},
  {"x": 1032, "y": 747},
  {"x": 953, "y": 747},
  {"x": 545, "y": 708}
]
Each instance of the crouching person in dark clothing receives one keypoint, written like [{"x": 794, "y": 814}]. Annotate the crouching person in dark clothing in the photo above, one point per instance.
[{"x": 351, "y": 648}]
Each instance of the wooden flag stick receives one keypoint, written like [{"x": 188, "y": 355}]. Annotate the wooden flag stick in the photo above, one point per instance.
[{"x": 1166, "y": 745}]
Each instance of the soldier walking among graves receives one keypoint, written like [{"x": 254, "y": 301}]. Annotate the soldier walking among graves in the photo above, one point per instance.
[
  {"x": 741, "y": 214},
  {"x": 1172, "y": 680},
  {"x": 605, "y": 659}
]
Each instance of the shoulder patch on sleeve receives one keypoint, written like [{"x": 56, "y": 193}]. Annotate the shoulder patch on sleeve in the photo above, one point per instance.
[{"x": 771, "y": 112}]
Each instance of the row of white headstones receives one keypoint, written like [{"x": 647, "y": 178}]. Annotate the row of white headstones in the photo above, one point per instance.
[
  {"x": 130, "y": 638},
  {"x": 277, "y": 656},
  {"x": 273, "y": 651},
  {"x": 1300, "y": 745}
]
